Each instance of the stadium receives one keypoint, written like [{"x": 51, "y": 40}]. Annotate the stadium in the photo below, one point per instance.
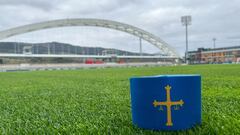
[{"x": 119, "y": 67}]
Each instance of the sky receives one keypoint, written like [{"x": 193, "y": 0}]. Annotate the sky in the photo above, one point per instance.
[{"x": 210, "y": 19}]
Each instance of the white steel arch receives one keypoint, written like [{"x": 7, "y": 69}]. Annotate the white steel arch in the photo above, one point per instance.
[{"x": 156, "y": 41}]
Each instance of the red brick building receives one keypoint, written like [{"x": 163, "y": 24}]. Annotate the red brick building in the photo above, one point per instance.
[{"x": 216, "y": 55}]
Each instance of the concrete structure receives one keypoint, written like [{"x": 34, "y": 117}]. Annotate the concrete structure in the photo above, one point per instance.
[
  {"x": 216, "y": 55},
  {"x": 154, "y": 40},
  {"x": 27, "y": 50},
  {"x": 73, "y": 66}
]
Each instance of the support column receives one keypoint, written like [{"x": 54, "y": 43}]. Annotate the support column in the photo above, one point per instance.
[{"x": 140, "y": 46}]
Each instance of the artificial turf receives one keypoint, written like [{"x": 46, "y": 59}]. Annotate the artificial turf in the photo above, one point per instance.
[{"x": 97, "y": 101}]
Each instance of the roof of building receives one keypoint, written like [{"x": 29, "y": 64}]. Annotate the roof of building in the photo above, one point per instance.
[{"x": 215, "y": 49}]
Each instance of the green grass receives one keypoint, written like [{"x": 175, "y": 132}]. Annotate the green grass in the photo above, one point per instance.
[{"x": 97, "y": 101}]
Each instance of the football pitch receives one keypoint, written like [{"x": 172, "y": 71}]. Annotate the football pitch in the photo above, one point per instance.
[{"x": 97, "y": 101}]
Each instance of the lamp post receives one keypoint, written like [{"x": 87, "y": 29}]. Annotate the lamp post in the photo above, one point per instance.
[
  {"x": 186, "y": 20},
  {"x": 214, "y": 42},
  {"x": 214, "y": 45},
  {"x": 140, "y": 46}
]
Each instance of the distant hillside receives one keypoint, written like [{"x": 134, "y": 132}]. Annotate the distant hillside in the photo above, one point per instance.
[{"x": 60, "y": 48}]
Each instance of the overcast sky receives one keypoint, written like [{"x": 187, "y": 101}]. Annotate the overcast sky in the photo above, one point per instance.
[{"x": 210, "y": 18}]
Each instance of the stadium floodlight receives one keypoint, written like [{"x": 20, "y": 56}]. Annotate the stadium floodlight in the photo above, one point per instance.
[{"x": 186, "y": 20}]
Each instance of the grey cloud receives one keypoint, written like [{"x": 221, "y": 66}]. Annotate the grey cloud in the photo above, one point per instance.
[
  {"x": 41, "y": 4},
  {"x": 212, "y": 18}
]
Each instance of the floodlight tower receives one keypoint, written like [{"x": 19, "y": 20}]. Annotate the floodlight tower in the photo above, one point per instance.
[{"x": 186, "y": 20}]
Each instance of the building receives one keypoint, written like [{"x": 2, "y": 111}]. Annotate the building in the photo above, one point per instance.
[{"x": 215, "y": 56}]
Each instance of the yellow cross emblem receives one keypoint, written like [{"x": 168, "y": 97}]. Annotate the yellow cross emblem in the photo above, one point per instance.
[{"x": 168, "y": 103}]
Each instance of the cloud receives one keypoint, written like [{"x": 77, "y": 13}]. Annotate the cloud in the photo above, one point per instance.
[
  {"x": 212, "y": 18},
  {"x": 40, "y": 4}
]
